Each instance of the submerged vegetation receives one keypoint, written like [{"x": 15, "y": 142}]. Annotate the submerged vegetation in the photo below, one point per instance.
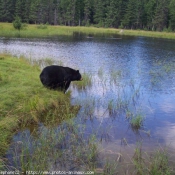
[{"x": 65, "y": 149}]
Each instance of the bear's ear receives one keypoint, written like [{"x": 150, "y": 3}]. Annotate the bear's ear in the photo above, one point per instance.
[{"x": 77, "y": 71}]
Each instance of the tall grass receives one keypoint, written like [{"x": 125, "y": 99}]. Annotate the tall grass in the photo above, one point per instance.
[{"x": 86, "y": 82}]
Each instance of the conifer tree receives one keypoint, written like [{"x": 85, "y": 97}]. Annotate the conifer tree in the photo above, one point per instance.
[
  {"x": 172, "y": 14},
  {"x": 113, "y": 15},
  {"x": 34, "y": 11},
  {"x": 130, "y": 17},
  {"x": 87, "y": 11},
  {"x": 79, "y": 12},
  {"x": 6, "y": 9},
  {"x": 161, "y": 15},
  {"x": 26, "y": 11},
  {"x": 132, "y": 14},
  {"x": 100, "y": 12},
  {"x": 20, "y": 9}
]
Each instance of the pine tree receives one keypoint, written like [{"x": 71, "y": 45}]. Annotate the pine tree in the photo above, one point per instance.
[
  {"x": 161, "y": 15},
  {"x": 20, "y": 9},
  {"x": 1, "y": 10},
  {"x": 72, "y": 12},
  {"x": 26, "y": 11},
  {"x": 87, "y": 12},
  {"x": 150, "y": 7},
  {"x": 100, "y": 12},
  {"x": 79, "y": 12},
  {"x": 6, "y": 8},
  {"x": 64, "y": 15},
  {"x": 172, "y": 14},
  {"x": 140, "y": 14},
  {"x": 55, "y": 11},
  {"x": 34, "y": 11},
  {"x": 130, "y": 19},
  {"x": 113, "y": 15}
]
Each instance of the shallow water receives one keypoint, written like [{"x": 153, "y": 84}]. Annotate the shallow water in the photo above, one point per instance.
[{"x": 130, "y": 75}]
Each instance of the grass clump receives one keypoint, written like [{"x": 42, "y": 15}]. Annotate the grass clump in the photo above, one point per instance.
[
  {"x": 42, "y": 26},
  {"x": 115, "y": 75},
  {"x": 136, "y": 121},
  {"x": 24, "y": 100},
  {"x": 156, "y": 163},
  {"x": 86, "y": 82},
  {"x": 110, "y": 168},
  {"x": 159, "y": 164}
]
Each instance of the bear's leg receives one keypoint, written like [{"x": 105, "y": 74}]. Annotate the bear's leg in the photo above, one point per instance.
[{"x": 67, "y": 84}]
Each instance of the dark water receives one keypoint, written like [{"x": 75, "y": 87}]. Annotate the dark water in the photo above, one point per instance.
[{"x": 132, "y": 75}]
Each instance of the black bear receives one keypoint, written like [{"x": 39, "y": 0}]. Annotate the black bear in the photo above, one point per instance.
[{"x": 59, "y": 77}]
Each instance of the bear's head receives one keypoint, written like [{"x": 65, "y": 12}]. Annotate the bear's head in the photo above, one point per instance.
[{"x": 76, "y": 76}]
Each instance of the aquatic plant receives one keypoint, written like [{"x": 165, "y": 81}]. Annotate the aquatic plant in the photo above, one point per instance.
[
  {"x": 86, "y": 82},
  {"x": 159, "y": 163},
  {"x": 61, "y": 148},
  {"x": 100, "y": 73},
  {"x": 111, "y": 107},
  {"x": 151, "y": 163},
  {"x": 136, "y": 121},
  {"x": 114, "y": 75},
  {"x": 87, "y": 107},
  {"x": 110, "y": 167},
  {"x": 48, "y": 61}
]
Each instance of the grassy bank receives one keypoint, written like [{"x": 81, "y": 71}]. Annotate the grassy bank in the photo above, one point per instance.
[
  {"x": 24, "y": 101},
  {"x": 32, "y": 31}
]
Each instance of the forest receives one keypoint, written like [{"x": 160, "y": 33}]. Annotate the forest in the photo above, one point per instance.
[{"x": 154, "y": 15}]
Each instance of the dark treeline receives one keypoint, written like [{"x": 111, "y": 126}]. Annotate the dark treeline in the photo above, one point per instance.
[{"x": 131, "y": 14}]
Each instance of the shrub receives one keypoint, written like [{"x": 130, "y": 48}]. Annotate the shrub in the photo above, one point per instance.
[{"x": 17, "y": 24}]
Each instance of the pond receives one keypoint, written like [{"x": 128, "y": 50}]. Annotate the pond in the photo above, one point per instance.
[{"x": 131, "y": 77}]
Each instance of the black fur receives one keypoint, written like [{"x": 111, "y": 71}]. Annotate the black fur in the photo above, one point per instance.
[{"x": 59, "y": 77}]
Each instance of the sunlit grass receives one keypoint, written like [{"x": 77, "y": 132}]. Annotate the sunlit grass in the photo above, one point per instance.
[{"x": 43, "y": 30}]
